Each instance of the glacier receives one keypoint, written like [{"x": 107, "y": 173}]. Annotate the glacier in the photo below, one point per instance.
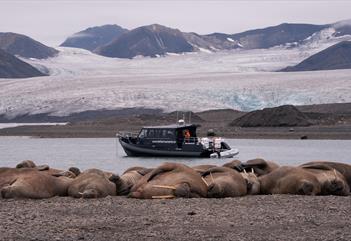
[{"x": 239, "y": 79}]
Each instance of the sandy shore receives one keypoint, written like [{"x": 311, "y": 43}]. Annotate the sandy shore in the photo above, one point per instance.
[{"x": 272, "y": 217}]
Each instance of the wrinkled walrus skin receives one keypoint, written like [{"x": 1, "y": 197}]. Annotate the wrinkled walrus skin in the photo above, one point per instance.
[
  {"x": 343, "y": 168},
  {"x": 168, "y": 181},
  {"x": 31, "y": 183},
  {"x": 130, "y": 178},
  {"x": 332, "y": 181},
  {"x": 290, "y": 180},
  {"x": 224, "y": 182},
  {"x": 93, "y": 183}
]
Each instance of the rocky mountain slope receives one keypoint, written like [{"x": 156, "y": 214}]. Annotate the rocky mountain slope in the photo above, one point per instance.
[
  {"x": 24, "y": 46},
  {"x": 94, "y": 37},
  {"x": 152, "y": 40},
  {"x": 12, "y": 67},
  {"x": 337, "y": 56}
]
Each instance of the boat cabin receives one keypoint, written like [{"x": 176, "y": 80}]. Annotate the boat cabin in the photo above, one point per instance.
[{"x": 169, "y": 134}]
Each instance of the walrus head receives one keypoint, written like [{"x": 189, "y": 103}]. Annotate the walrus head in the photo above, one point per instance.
[
  {"x": 26, "y": 164},
  {"x": 214, "y": 190},
  {"x": 252, "y": 183},
  {"x": 75, "y": 170}
]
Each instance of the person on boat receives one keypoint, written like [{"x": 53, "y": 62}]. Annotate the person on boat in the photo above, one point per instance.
[{"x": 187, "y": 135}]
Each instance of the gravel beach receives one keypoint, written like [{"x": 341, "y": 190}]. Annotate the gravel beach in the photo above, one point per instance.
[{"x": 271, "y": 217}]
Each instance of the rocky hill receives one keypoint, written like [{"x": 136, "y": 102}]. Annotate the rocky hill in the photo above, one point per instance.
[
  {"x": 12, "y": 67},
  {"x": 24, "y": 46},
  {"x": 94, "y": 37},
  {"x": 152, "y": 40},
  {"x": 286, "y": 115},
  {"x": 337, "y": 56}
]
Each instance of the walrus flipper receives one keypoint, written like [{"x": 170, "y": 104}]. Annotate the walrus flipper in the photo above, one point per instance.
[
  {"x": 214, "y": 170},
  {"x": 167, "y": 167},
  {"x": 317, "y": 166}
]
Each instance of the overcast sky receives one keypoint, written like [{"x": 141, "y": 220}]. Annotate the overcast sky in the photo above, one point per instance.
[{"x": 51, "y": 21}]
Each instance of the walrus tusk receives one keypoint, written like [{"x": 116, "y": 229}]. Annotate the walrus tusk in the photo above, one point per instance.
[
  {"x": 252, "y": 170},
  {"x": 163, "y": 186},
  {"x": 245, "y": 171},
  {"x": 203, "y": 179},
  {"x": 163, "y": 197},
  {"x": 335, "y": 173},
  {"x": 211, "y": 177}
]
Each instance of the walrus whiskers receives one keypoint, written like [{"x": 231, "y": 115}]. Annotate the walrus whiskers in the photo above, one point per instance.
[
  {"x": 163, "y": 197},
  {"x": 164, "y": 186}
]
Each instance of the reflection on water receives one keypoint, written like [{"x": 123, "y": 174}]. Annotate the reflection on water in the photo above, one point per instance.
[{"x": 107, "y": 154}]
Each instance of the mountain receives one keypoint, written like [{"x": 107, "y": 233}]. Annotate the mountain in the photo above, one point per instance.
[
  {"x": 285, "y": 115},
  {"x": 337, "y": 56},
  {"x": 151, "y": 40},
  {"x": 276, "y": 35},
  {"x": 94, "y": 37},
  {"x": 12, "y": 67},
  {"x": 24, "y": 46}
]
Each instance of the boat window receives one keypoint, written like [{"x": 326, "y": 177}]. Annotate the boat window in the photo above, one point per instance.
[
  {"x": 151, "y": 133},
  {"x": 142, "y": 133}
]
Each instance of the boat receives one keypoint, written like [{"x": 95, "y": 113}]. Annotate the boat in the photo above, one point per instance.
[{"x": 177, "y": 140}]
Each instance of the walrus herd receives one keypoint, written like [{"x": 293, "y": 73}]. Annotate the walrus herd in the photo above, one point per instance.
[{"x": 171, "y": 180}]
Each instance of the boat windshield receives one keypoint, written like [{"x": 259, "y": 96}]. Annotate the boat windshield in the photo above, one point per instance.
[{"x": 157, "y": 133}]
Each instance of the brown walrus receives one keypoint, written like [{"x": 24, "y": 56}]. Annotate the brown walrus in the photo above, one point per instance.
[
  {"x": 260, "y": 166},
  {"x": 52, "y": 171},
  {"x": 202, "y": 168},
  {"x": 332, "y": 181},
  {"x": 129, "y": 178},
  {"x": 290, "y": 180},
  {"x": 93, "y": 183},
  {"x": 31, "y": 183},
  {"x": 343, "y": 168},
  {"x": 224, "y": 182},
  {"x": 170, "y": 180}
]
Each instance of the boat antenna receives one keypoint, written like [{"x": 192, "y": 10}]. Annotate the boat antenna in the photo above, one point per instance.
[
  {"x": 189, "y": 117},
  {"x": 177, "y": 118},
  {"x": 184, "y": 117}
]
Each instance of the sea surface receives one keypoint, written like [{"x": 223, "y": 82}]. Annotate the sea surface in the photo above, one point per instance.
[{"x": 107, "y": 154}]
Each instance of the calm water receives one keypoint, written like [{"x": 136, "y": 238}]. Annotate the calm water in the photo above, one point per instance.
[{"x": 107, "y": 154}]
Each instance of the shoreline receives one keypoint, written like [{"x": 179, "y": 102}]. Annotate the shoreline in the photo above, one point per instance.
[
  {"x": 261, "y": 217},
  {"x": 340, "y": 132}
]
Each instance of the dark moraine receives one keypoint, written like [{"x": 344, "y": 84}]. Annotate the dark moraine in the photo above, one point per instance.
[{"x": 286, "y": 115}]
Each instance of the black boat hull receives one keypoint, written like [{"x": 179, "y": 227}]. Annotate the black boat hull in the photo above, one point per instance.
[{"x": 134, "y": 150}]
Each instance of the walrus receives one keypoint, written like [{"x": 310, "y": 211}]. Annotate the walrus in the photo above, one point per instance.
[
  {"x": 129, "y": 178},
  {"x": 52, "y": 171},
  {"x": 332, "y": 181},
  {"x": 93, "y": 183},
  {"x": 260, "y": 166},
  {"x": 290, "y": 180},
  {"x": 170, "y": 180},
  {"x": 234, "y": 164},
  {"x": 343, "y": 168},
  {"x": 202, "y": 168},
  {"x": 224, "y": 182},
  {"x": 31, "y": 183}
]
